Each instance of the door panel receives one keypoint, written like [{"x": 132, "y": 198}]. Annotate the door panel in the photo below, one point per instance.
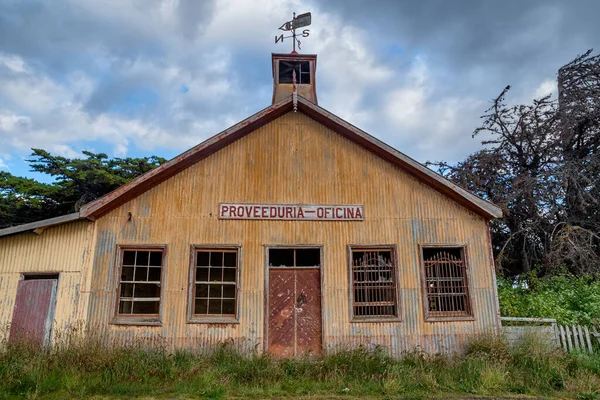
[
  {"x": 308, "y": 312},
  {"x": 34, "y": 310},
  {"x": 294, "y": 326},
  {"x": 281, "y": 312}
]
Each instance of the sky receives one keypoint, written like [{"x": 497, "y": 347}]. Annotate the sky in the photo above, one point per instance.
[{"x": 148, "y": 77}]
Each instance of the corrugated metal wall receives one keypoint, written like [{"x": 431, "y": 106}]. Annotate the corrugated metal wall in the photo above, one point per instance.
[
  {"x": 295, "y": 160},
  {"x": 63, "y": 249}
]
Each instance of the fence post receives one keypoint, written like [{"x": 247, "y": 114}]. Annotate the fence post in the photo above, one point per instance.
[
  {"x": 587, "y": 338},
  {"x": 569, "y": 338}
]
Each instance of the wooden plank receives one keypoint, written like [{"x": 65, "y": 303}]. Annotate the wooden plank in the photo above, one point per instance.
[
  {"x": 556, "y": 339},
  {"x": 575, "y": 338},
  {"x": 588, "y": 340},
  {"x": 596, "y": 335},
  {"x": 523, "y": 319},
  {"x": 570, "y": 343},
  {"x": 563, "y": 341}
]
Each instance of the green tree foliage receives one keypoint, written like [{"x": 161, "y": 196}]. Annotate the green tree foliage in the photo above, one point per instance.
[
  {"x": 76, "y": 182},
  {"x": 568, "y": 299}
]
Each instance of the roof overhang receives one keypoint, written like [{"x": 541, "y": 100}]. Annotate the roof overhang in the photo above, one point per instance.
[
  {"x": 40, "y": 226},
  {"x": 141, "y": 184}
]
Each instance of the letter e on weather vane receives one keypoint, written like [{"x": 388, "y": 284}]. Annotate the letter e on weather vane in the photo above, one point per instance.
[{"x": 299, "y": 21}]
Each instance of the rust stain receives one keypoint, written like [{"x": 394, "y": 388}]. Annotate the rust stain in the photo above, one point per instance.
[
  {"x": 183, "y": 210},
  {"x": 281, "y": 313},
  {"x": 295, "y": 327},
  {"x": 34, "y": 310},
  {"x": 308, "y": 312}
]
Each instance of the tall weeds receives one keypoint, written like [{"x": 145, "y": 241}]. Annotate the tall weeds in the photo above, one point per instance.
[{"x": 489, "y": 366}]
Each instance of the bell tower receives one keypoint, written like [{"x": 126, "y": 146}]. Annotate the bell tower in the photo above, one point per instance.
[{"x": 284, "y": 66}]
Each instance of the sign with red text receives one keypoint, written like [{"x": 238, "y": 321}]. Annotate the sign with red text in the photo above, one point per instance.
[{"x": 292, "y": 212}]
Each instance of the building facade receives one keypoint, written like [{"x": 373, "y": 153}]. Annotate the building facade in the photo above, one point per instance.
[{"x": 291, "y": 232}]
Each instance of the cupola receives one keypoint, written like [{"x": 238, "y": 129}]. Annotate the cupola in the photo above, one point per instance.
[{"x": 284, "y": 66}]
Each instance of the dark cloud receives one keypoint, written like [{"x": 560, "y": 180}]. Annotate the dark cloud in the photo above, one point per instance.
[
  {"x": 117, "y": 68},
  {"x": 194, "y": 15},
  {"x": 493, "y": 42}
]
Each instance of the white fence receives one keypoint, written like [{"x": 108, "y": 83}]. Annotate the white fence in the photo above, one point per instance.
[{"x": 569, "y": 338}]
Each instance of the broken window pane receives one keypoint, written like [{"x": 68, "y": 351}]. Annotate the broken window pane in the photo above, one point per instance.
[
  {"x": 287, "y": 68},
  {"x": 281, "y": 257},
  {"x": 308, "y": 257}
]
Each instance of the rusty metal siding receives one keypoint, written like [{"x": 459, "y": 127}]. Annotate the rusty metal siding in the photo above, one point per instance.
[
  {"x": 34, "y": 310},
  {"x": 295, "y": 160},
  {"x": 63, "y": 249}
]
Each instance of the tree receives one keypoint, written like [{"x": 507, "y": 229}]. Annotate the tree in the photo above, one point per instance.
[
  {"x": 76, "y": 182},
  {"x": 541, "y": 164}
]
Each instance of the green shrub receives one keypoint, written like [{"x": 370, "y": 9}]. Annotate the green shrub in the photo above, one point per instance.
[{"x": 568, "y": 299}]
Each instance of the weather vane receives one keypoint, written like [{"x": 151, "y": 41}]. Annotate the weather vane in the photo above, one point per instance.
[{"x": 300, "y": 21}]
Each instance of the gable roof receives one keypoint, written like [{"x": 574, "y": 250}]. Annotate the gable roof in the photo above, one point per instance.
[{"x": 141, "y": 184}]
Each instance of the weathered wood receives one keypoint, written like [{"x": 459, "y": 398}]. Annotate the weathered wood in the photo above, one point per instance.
[
  {"x": 570, "y": 343},
  {"x": 575, "y": 337},
  {"x": 581, "y": 338},
  {"x": 587, "y": 338},
  {"x": 523, "y": 319},
  {"x": 563, "y": 340}
]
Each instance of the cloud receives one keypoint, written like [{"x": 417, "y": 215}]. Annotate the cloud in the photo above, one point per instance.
[
  {"x": 158, "y": 77},
  {"x": 547, "y": 87}
]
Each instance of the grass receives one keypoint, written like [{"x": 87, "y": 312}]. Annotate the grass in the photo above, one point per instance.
[{"x": 488, "y": 368}]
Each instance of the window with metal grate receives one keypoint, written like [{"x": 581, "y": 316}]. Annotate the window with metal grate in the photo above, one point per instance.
[
  {"x": 374, "y": 283},
  {"x": 445, "y": 282}
]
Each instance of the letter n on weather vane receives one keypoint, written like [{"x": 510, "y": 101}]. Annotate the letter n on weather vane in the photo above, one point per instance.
[{"x": 297, "y": 22}]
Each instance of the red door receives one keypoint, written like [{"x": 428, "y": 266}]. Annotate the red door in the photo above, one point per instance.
[
  {"x": 34, "y": 310},
  {"x": 294, "y": 320}
]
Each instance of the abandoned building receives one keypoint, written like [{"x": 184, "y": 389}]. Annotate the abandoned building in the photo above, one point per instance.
[{"x": 290, "y": 232}]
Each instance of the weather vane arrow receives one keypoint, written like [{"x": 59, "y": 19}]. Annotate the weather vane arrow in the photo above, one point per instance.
[{"x": 299, "y": 21}]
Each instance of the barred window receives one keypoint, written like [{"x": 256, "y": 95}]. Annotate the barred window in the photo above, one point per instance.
[
  {"x": 446, "y": 286},
  {"x": 140, "y": 278},
  {"x": 215, "y": 283},
  {"x": 374, "y": 286}
]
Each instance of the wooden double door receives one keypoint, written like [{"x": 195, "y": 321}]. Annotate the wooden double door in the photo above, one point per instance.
[{"x": 294, "y": 324}]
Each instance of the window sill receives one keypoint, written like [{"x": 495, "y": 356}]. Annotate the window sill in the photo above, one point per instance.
[
  {"x": 214, "y": 320},
  {"x": 150, "y": 321},
  {"x": 359, "y": 320},
  {"x": 441, "y": 318}
]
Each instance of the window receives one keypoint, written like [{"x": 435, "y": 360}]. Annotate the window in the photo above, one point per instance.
[
  {"x": 298, "y": 257},
  {"x": 214, "y": 289},
  {"x": 445, "y": 283},
  {"x": 139, "y": 288},
  {"x": 302, "y": 69},
  {"x": 374, "y": 283}
]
